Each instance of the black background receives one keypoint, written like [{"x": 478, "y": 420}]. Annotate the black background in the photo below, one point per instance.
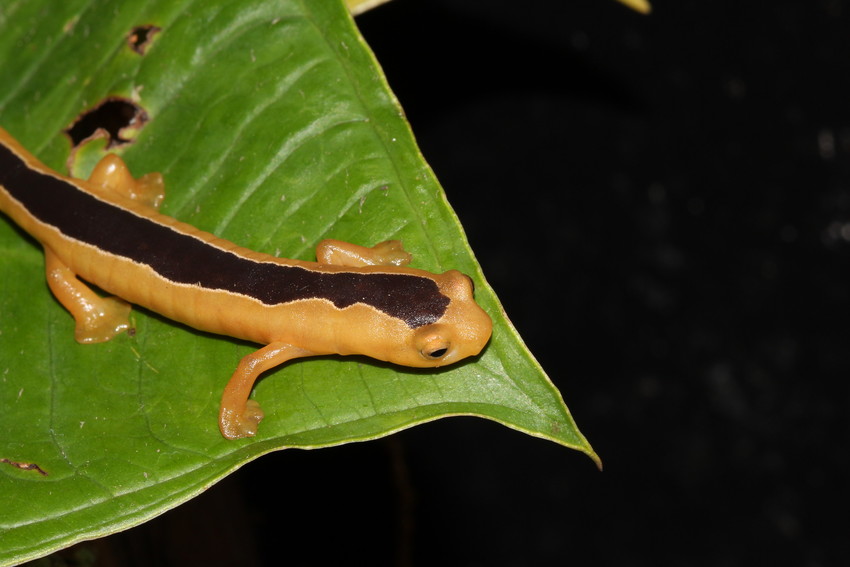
[{"x": 663, "y": 205}]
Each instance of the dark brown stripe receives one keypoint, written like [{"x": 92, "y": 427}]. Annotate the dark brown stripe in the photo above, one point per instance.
[{"x": 184, "y": 259}]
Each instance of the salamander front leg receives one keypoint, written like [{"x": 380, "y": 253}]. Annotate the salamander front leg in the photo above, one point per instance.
[
  {"x": 111, "y": 174},
  {"x": 339, "y": 253},
  {"x": 98, "y": 318},
  {"x": 239, "y": 416}
]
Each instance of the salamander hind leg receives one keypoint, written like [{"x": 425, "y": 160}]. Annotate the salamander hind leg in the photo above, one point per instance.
[
  {"x": 238, "y": 416},
  {"x": 98, "y": 319},
  {"x": 339, "y": 253},
  {"x": 111, "y": 174}
]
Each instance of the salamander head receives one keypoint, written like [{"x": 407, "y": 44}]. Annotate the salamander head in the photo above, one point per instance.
[
  {"x": 462, "y": 331},
  {"x": 412, "y": 325}
]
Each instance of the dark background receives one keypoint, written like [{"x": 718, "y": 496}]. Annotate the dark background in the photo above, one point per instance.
[{"x": 663, "y": 205}]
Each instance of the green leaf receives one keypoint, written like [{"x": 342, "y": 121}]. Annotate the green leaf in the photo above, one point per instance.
[{"x": 274, "y": 128}]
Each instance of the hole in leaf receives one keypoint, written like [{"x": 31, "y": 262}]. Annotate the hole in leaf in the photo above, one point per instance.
[
  {"x": 112, "y": 116},
  {"x": 141, "y": 36}
]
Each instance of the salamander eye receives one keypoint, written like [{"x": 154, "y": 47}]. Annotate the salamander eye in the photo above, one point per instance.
[
  {"x": 433, "y": 343},
  {"x": 436, "y": 353}
]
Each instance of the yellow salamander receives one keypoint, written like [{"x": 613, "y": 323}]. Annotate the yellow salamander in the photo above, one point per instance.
[{"x": 108, "y": 232}]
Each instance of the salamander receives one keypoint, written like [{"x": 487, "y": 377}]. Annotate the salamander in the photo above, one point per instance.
[{"x": 107, "y": 232}]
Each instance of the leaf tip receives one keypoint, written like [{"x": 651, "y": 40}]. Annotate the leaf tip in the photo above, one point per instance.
[
  {"x": 588, "y": 450},
  {"x": 592, "y": 454}
]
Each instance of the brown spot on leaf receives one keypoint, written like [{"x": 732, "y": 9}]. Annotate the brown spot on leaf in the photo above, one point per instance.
[{"x": 25, "y": 466}]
